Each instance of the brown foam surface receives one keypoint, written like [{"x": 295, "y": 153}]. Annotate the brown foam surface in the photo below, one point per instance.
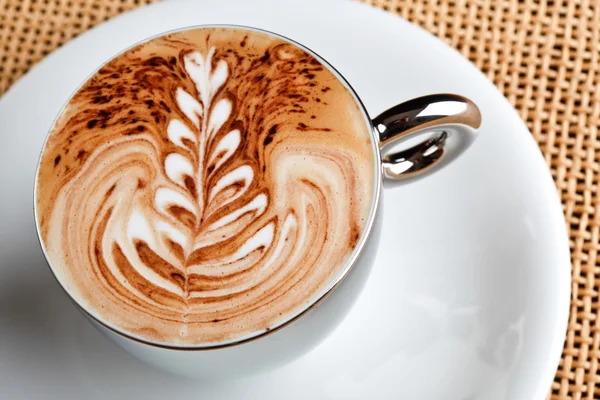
[{"x": 205, "y": 186}]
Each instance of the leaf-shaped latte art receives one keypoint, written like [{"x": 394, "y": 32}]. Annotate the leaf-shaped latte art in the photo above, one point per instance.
[{"x": 205, "y": 186}]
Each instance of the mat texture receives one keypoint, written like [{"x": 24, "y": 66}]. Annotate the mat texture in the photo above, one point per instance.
[{"x": 543, "y": 55}]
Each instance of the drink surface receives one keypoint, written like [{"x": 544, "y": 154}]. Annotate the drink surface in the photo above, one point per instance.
[{"x": 204, "y": 186}]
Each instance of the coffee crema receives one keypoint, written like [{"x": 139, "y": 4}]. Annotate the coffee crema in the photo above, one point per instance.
[{"x": 204, "y": 186}]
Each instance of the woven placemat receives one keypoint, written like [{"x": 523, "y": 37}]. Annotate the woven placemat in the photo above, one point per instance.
[{"x": 543, "y": 55}]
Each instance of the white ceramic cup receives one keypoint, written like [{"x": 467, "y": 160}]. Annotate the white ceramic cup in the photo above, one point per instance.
[{"x": 409, "y": 141}]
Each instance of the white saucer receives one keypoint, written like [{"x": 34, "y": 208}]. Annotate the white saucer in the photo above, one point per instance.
[{"x": 468, "y": 298}]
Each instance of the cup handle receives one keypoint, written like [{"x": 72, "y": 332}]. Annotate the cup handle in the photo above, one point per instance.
[{"x": 447, "y": 121}]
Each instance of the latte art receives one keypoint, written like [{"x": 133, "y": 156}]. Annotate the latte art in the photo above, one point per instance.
[{"x": 204, "y": 186}]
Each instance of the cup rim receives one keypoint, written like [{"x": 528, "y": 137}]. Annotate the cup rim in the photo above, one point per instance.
[{"x": 292, "y": 317}]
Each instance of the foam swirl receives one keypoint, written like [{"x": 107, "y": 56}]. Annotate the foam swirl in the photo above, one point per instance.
[{"x": 204, "y": 185}]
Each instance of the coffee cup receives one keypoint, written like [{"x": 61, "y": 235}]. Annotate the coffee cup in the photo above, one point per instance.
[{"x": 210, "y": 198}]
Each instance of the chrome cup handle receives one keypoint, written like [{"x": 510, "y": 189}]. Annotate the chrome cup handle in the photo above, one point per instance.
[{"x": 448, "y": 124}]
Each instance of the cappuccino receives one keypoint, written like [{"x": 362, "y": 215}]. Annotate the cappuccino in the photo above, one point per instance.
[{"x": 205, "y": 186}]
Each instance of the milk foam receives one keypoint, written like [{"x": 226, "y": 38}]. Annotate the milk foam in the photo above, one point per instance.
[{"x": 204, "y": 186}]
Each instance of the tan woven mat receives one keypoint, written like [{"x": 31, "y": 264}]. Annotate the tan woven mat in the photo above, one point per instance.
[{"x": 543, "y": 55}]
